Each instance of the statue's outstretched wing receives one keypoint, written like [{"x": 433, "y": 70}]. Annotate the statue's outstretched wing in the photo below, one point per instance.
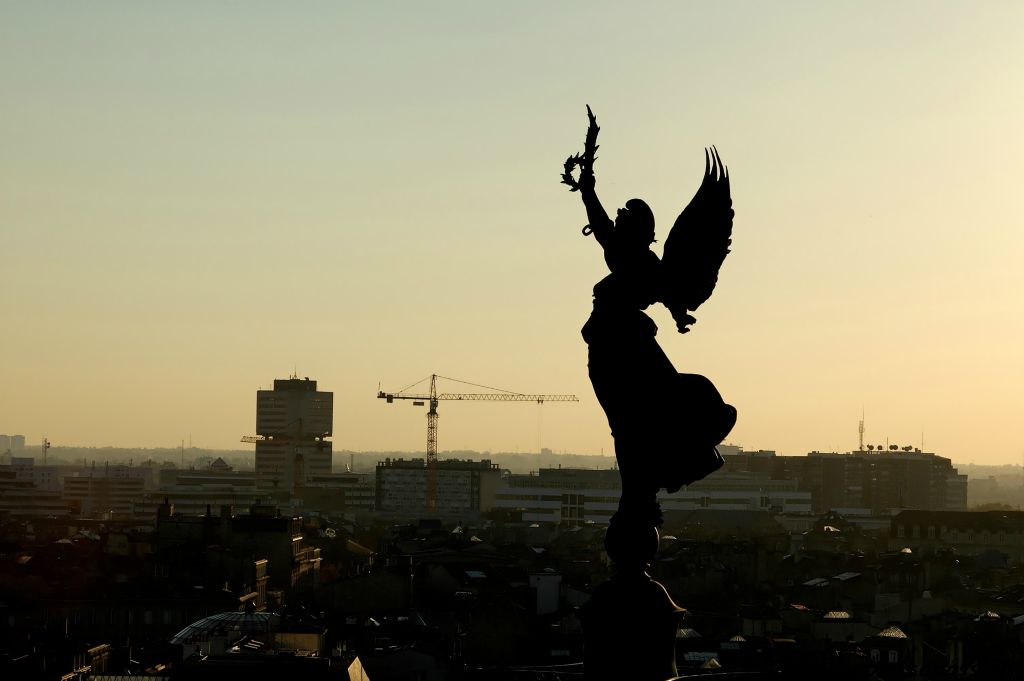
[{"x": 698, "y": 243}]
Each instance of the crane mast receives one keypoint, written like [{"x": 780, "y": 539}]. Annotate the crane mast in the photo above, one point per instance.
[
  {"x": 433, "y": 397},
  {"x": 432, "y": 446}
]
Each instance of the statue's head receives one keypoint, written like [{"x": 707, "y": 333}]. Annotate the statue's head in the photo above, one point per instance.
[{"x": 636, "y": 220}]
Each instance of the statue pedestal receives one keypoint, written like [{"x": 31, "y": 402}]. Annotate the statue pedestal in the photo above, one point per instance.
[
  {"x": 629, "y": 631},
  {"x": 630, "y": 623}
]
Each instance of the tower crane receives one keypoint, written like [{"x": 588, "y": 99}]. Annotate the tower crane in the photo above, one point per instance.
[{"x": 433, "y": 397}]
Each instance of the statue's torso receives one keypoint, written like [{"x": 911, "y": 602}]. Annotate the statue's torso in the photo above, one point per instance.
[{"x": 633, "y": 285}]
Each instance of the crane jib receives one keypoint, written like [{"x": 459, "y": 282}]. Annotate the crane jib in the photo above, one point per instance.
[
  {"x": 487, "y": 397},
  {"x": 434, "y": 397}
]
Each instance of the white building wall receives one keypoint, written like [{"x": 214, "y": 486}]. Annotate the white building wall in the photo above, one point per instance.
[
  {"x": 779, "y": 501},
  {"x": 539, "y": 504},
  {"x": 552, "y": 504}
]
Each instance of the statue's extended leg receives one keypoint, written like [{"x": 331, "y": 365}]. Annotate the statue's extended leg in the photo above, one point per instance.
[
  {"x": 703, "y": 421},
  {"x": 671, "y": 421}
]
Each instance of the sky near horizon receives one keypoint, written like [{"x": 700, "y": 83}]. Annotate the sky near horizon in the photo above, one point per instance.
[{"x": 198, "y": 198}]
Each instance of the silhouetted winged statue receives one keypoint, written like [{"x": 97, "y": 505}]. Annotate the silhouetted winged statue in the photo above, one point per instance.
[{"x": 665, "y": 424}]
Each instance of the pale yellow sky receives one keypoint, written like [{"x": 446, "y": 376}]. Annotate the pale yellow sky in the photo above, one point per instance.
[{"x": 197, "y": 199}]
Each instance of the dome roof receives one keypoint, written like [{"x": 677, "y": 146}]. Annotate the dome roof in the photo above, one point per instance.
[{"x": 239, "y": 622}]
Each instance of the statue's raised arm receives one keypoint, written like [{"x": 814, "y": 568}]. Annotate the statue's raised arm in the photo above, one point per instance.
[{"x": 600, "y": 223}]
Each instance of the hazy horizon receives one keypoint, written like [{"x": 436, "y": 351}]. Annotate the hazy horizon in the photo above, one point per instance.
[
  {"x": 200, "y": 199},
  {"x": 340, "y": 455}
]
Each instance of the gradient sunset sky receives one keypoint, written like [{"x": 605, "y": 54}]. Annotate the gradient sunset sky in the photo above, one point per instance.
[{"x": 197, "y": 198}]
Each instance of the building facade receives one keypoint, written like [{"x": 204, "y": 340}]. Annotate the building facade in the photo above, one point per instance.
[
  {"x": 100, "y": 495},
  {"x": 574, "y": 496},
  {"x": 193, "y": 491},
  {"x": 460, "y": 485},
  {"x": 881, "y": 481},
  {"x": 970, "y": 533},
  {"x": 20, "y": 498},
  {"x": 340, "y": 493},
  {"x": 15, "y": 444},
  {"x": 261, "y": 534},
  {"x": 293, "y": 422}
]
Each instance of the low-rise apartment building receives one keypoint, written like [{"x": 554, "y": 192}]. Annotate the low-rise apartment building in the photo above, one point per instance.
[
  {"x": 401, "y": 485},
  {"x": 970, "y": 533},
  {"x": 574, "y": 496}
]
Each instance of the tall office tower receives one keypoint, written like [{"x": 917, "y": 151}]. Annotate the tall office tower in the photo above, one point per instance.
[
  {"x": 294, "y": 419},
  {"x": 17, "y": 443},
  {"x": 5, "y": 443}
]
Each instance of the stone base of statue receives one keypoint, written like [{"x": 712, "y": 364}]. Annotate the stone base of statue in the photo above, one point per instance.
[{"x": 630, "y": 623}]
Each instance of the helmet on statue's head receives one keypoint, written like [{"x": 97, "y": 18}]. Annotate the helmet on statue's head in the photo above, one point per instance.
[{"x": 637, "y": 219}]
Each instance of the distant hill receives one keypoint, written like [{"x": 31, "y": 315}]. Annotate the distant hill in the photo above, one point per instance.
[
  {"x": 973, "y": 470},
  {"x": 196, "y": 457},
  {"x": 364, "y": 462}
]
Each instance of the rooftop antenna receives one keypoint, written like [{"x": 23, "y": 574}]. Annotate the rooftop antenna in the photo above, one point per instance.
[
  {"x": 860, "y": 432},
  {"x": 183, "y": 454}
]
